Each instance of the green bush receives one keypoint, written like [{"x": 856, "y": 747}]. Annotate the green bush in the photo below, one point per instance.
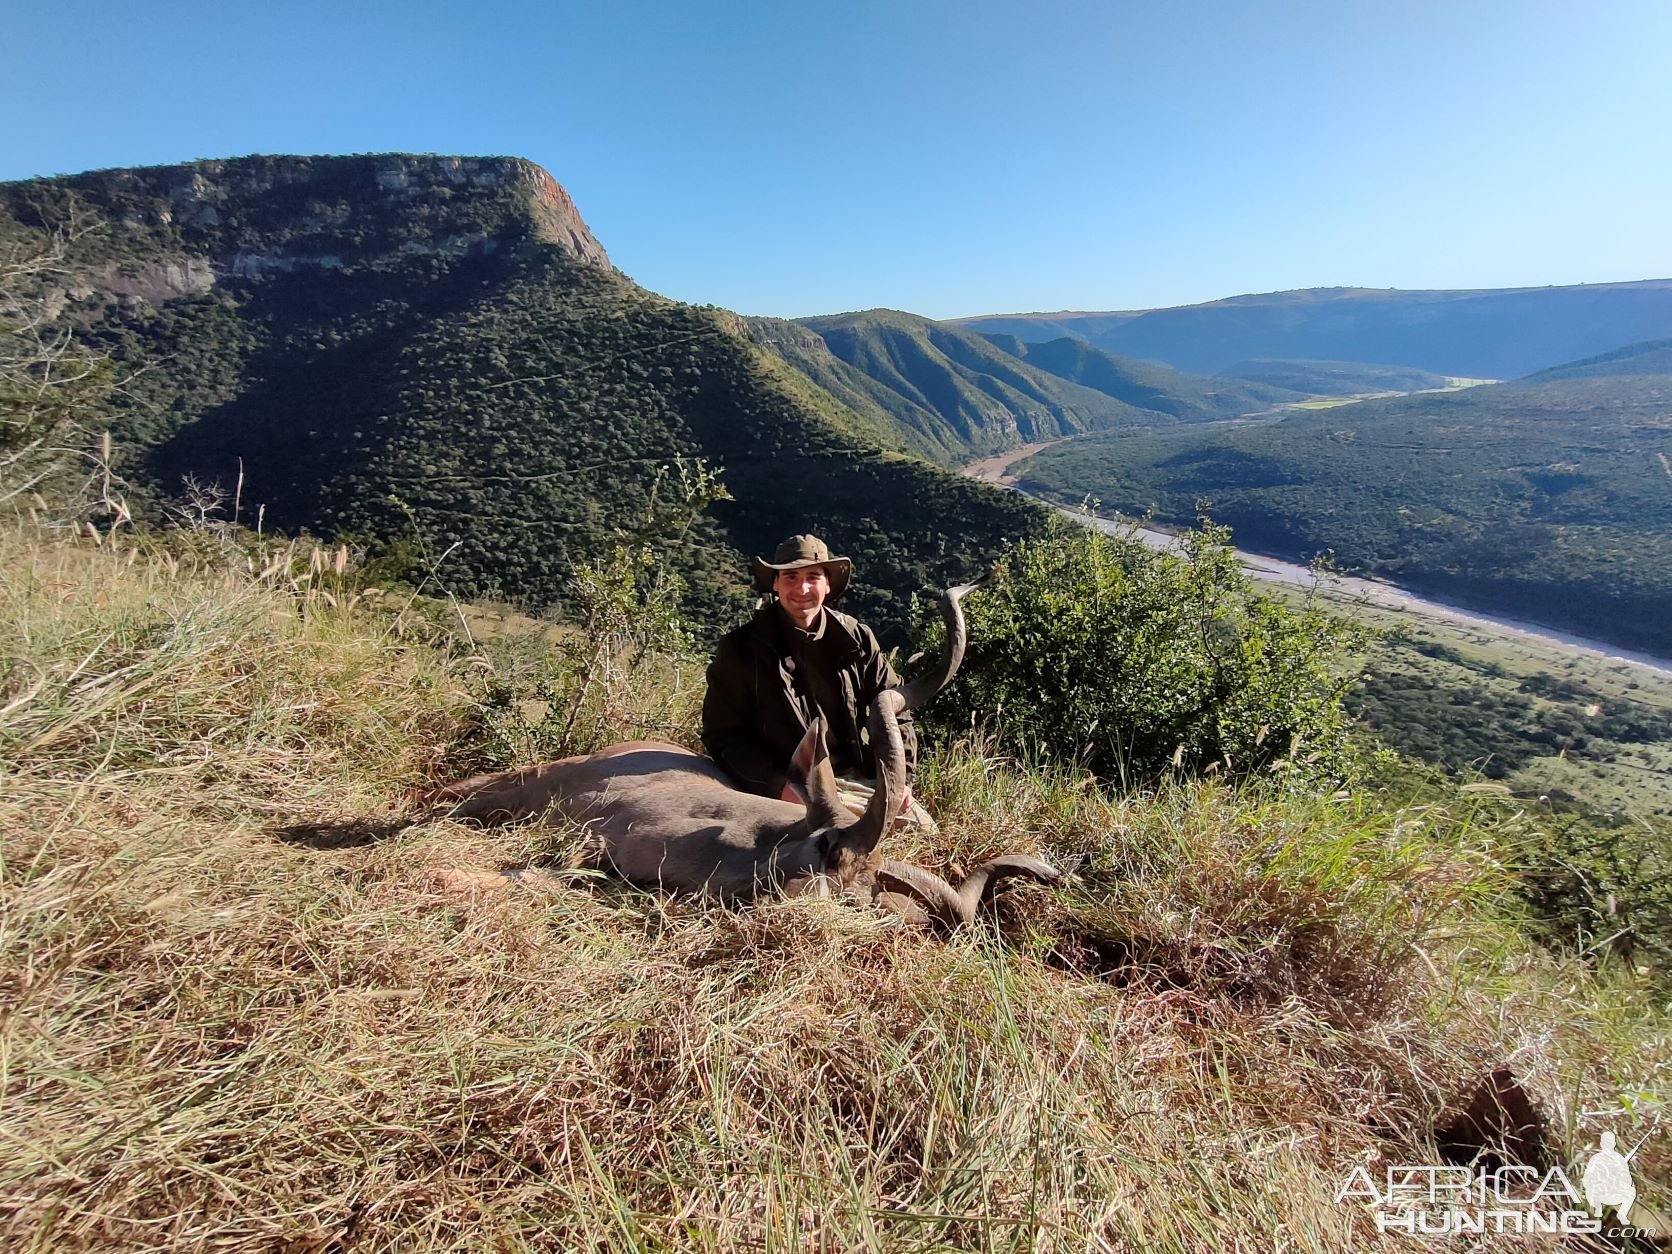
[
  {"x": 1097, "y": 650},
  {"x": 1598, "y": 890}
]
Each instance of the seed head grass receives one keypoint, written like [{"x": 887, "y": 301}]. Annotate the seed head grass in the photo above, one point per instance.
[{"x": 214, "y": 1038}]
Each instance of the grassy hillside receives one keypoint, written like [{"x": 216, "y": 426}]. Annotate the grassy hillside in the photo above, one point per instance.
[
  {"x": 425, "y": 356},
  {"x": 1147, "y": 385},
  {"x": 1549, "y": 502},
  {"x": 1334, "y": 378},
  {"x": 1653, "y": 358},
  {"x": 1575, "y": 731},
  {"x": 249, "y": 1013},
  {"x": 1484, "y": 334}
]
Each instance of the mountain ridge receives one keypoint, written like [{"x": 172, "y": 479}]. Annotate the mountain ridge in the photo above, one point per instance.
[
  {"x": 1649, "y": 357},
  {"x": 1149, "y": 386},
  {"x": 1312, "y": 294},
  {"x": 952, "y": 394},
  {"x": 1497, "y": 333},
  {"x": 221, "y": 206},
  {"x": 433, "y": 354}
]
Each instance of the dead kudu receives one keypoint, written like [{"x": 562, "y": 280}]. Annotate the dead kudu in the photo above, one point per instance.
[{"x": 665, "y": 817}]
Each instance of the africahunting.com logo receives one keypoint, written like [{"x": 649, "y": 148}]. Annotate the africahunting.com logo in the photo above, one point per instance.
[{"x": 1438, "y": 1201}]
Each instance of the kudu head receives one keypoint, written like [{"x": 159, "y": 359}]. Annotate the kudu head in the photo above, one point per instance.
[{"x": 851, "y": 840}]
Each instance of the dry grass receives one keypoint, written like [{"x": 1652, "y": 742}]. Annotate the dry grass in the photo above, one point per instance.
[{"x": 216, "y": 1040}]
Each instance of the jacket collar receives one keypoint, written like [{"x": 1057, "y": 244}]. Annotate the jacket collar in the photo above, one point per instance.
[{"x": 770, "y": 630}]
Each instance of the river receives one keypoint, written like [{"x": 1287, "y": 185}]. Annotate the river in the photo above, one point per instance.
[{"x": 1370, "y": 591}]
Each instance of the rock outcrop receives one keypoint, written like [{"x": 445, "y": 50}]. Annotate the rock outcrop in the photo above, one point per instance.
[{"x": 181, "y": 230}]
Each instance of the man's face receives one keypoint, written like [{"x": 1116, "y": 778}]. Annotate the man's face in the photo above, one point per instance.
[{"x": 802, "y": 593}]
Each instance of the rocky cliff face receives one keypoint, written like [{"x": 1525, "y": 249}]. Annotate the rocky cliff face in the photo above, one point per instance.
[
  {"x": 557, "y": 219},
  {"x": 177, "y": 231}
]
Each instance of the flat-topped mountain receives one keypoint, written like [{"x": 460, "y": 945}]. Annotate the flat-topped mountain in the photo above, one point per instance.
[
  {"x": 1485, "y": 334},
  {"x": 371, "y": 346},
  {"x": 174, "y": 230}
]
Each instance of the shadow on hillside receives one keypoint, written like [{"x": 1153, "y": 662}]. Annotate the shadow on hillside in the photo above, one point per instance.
[
  {"x": 1499, "y": 1125},
  {"x": 340, "y": 833}
]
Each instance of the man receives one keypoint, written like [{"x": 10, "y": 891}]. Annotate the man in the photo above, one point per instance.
[{"x": 797, "y": 659}]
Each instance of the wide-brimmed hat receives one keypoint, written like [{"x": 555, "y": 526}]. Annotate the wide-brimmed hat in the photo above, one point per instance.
[{"x": 797, "y": 552}]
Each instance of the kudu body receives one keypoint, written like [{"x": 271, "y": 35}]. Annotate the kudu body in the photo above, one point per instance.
[{"x": 662, "y": 816}]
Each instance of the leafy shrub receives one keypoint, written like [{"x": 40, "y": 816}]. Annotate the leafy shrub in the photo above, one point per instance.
[
  {"x": 1097, "y": 650},
  {"x": 1595, "y": 889},
  {"x": 49, "y": 383},
  {"x": 624, "y": 672}
]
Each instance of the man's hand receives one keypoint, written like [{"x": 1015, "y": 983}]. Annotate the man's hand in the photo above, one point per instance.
[{"x": 906, "y": 804}]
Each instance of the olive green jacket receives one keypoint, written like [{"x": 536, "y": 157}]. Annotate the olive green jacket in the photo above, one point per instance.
[{"x": 753, "y": 715}]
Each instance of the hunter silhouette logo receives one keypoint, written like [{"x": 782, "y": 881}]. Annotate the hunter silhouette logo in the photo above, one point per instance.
[
  {"x": 1607, "y": 1179},
  {"x": 1446, "y": 1200}
]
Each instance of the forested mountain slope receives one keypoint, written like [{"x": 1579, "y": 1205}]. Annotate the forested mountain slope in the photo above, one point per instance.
[
  {"x": 1485, "y": 334},
  {"x": 951, "y": 394},
  {"x": 1546, "y": 501},
  {"x": 1654, "y": 357},
  {"x": 376, "y": 343},
  {"x": 1169, "y": 393},
  {"x": 901, "y": 421}
]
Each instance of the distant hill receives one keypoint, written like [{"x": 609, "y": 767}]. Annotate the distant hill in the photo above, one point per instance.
[
  {"x": 363, "y": 342},
  {"x": 1548, "y": 501},
  {"x": 1146, "y": 385},
  {"x": 953, "y": 395},
  {"x": 1037, "y": 328},
  {"x": 1654, "y": 357},
  {"x": 1485, "y": 334},
  {"x": 1334, "y": 378}
]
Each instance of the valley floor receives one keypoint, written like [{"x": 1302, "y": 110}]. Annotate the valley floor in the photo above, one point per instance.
[
  {"x": 1439, "y": 647},
  {"x": 1347, "y": 589}
]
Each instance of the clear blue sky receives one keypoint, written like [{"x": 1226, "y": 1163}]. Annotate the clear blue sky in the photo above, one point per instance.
[{"x": 789, "y": 157}]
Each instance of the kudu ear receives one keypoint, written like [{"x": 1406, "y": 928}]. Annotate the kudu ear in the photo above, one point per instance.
[{"x": 810, "y": 770}]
